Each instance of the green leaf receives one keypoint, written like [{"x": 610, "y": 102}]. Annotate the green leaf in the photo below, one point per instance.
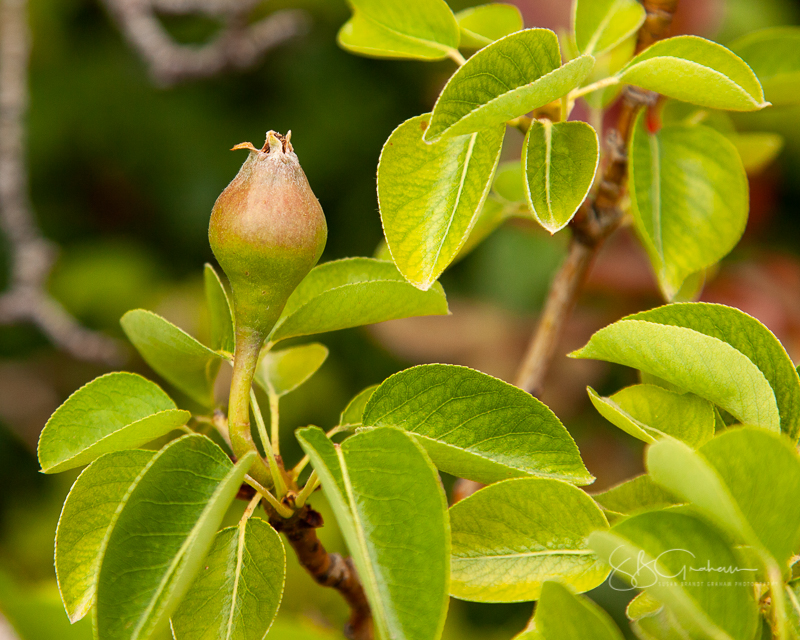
[
  {"x": 651, "y": 620},
  {"x": 475, "y": 426},
  {"x": 354, "y": 292},
  {"x": 757, "y": 149},
  {"x": 422, "y": 29},
  {"x": 219, "y": 311},
  {"x": 486, "y": 23},
  {"x": 774, "y": 55},
  {"x": 505, "y": 80},
  {"x": 280, "y": 372},
  {"x": 704, "y": 365},
  {"x": 600, "y": 25},
  {"x": 392, "y": 511},
  {"x": 560, "y": 161},
  {"x": 635, "y": 495},
  {"x": 649, "y": 413},
  {"x": 430, "y": 195},
  {"x": 238, "y": 593},
  {"x": 509, "y": 537},
  {"x": 85, "y": 521},
  {"x": 747, "y": 335},
  {"x": 173, "y": 354},
  {"x": 723, "y": 478},
  {"x": 561, "y": 615},
  {"x": 668, "y": 554},
  {"x": 160, "y": 535},
  {"x": 113, "y": 412},
  {"x": 509, "y": 183},
  {"x": 689, "y": 197},
  {"x": 353, "y": 413},
  {"x": 696, "y": 70}
]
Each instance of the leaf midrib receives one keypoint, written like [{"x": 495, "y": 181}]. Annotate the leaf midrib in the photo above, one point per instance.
[
  {"x": 456, "y": 204},
  {"x": 526, "y": 554}
]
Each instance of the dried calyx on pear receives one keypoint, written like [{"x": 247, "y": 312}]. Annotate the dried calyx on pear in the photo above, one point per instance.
[{"x": 267, "y": 231}]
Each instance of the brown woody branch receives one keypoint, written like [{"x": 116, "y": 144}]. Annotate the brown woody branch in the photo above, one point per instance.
[
  {"x": 598, "y": 217},
  {"x": 327, "y": 569},
  {"x": 239, "y": 45},
  {"x": 32, "y": 255}
]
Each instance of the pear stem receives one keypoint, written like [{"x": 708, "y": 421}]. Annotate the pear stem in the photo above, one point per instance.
[{"x": 248, "y": 345}]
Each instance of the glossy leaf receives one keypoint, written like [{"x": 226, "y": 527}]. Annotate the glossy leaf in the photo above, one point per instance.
[
  {"x": 600, "y": 25},
  {"x": 559, "y": 161},
  {"x": 561, "y": 615},
  {"x": 649, "y": 413},
  {"x": 689, "y": 197},
  {"x": 504, "y": 80},
  {"x": 475, "y": 426},
  {"x": 486, "y": 23},
  {"x": 698, "y": 71},
  {"x": 392, "y": 510},
  {"x": 701, "y": 364},
  {"x": 236, "y": 596},
  {"x": 757, "y": 149},
  {"x": 668, "y": 554},
  {"x": 430, "y": 195},
  {"x": 510, "y": 537},
  {"x": 284, "y": 370},
  {"x": 85, "y": 521},
  {"x": 635, "y": 495},
  {"x": 774, "y": 55},
  {"x": 353, "y": 413},
  {"x": 173, "y": 354},
  {"x": 219, "y": 311},
  {"x": 113, "y": 412},
  {"x": 748, "y": 336},
  {"x": 160, "y": 535},
  {"x": 354, "y": 292},
  {"x": 722, "y": 478},
  {"x": 423, "y": 29}
]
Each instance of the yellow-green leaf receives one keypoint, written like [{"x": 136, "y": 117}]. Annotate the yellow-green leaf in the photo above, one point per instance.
[
  {"x": 430, "y": 195},
  {"x": 559, "y": 162},
  {"x": 512, "y": 536},
  {"x": 689, "y": 197},
  {"x": 696, "y": 70},
  {"x": 422, "y": 29},
  {"x": 174, "y": 354},
  {"x": 113, "y": 412},
  {"x": 504, "y": 80}
]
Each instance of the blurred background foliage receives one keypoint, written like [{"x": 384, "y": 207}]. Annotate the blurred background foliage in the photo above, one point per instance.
[{"x": 123, "y": 177}]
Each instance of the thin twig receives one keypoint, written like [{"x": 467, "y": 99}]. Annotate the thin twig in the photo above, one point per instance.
[
  {"x": 597, "y": 218},
  {"x": 32, "y": 256},
  {"x": 238, "y": 45},
  {"x": 328, "y": 569}
]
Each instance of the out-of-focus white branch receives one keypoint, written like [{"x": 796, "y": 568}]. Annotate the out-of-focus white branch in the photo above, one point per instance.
[
  {"x": 238, "y": 45},
  {"x": 31, "y": 255}
]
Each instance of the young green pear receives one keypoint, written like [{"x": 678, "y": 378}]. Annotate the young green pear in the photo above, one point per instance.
[{"x": 267, "y": 232}]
